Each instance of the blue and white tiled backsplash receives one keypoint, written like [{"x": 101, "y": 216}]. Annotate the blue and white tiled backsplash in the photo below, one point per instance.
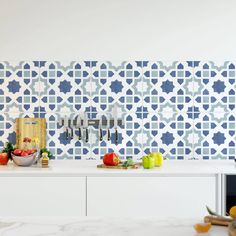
[{"x": 184, "y": 109}]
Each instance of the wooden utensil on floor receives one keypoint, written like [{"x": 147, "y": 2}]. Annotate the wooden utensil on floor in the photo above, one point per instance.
[{"x": 216, "y": 220}]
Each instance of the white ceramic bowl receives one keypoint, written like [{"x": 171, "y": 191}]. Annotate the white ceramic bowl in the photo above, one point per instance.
[{"x": 25, "y": 160}]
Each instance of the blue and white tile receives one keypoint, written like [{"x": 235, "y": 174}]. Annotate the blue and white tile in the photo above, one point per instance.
[
  {"x": 116, "y": 83},
  {"x": 168, "y": 133},
  {"x": 215, "y": 87},
  {"x": 65, "y": 87},
  {"x": 61, "y": 147},
  {"x": 167, "y": 87},
  {"x": 19, "y": 84},
  {"x": 215, "y": 135}
]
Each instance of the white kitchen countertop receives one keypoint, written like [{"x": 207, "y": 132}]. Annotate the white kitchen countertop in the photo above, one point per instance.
[
  {"x": 101, "y": 227},
  {"x": 88, "y": 168}
]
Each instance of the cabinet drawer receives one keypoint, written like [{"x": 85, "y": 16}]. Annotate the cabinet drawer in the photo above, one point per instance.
[
  {"x": 43, "y": 196},
  {"x": 160, "y": 197}
]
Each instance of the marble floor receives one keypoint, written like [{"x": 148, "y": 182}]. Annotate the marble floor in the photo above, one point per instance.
[{"x": 101, "y": 227}]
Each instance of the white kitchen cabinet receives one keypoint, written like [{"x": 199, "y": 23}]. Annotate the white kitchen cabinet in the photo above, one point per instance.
[
  {"x": 42, "y": 196},
  {"x": 160, "y": 197}
]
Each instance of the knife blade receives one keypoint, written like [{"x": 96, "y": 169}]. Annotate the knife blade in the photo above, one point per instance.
[
  {"x": 108, "y": 127},
  {"x": 85, "y": 126},
  {"x": 71, "y": 128},
  {"x": 79, "y": 126},
  {"x": 66, "y": 127},
  {"x": 100, "y": 129},
  {"x": 115, "y": 115}
]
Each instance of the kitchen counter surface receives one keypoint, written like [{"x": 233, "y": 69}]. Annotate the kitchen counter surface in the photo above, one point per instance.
[
  {"x": 99, "y": 226},
  {"x": 88, "y": 168}
]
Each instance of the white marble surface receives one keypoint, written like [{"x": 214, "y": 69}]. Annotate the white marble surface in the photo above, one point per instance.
[
  {"x": 101, "y": 227},
  {"x": 88, "y": 168}
]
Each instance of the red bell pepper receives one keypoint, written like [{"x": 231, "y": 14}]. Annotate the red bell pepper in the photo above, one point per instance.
[{"x": 111, "y": 159}]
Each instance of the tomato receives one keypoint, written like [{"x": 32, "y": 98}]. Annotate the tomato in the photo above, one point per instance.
[
  {"x": 24, "y": 153},
  {"x": 3, "y": 158},
  {"x": 17, "y": 152},
  {"x": 111, "y": 159},
  {"x": 30, "y": 151}
]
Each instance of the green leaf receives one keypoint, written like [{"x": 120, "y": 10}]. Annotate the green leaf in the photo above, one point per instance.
[
  {"x": 47, "y": 151},
  {"x": 128, "y": 162}
]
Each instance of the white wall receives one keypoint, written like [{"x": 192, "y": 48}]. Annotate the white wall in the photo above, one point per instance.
[{"x": 117, "y": 29}]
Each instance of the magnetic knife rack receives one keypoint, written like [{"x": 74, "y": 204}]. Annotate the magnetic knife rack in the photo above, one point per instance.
[
  {"x": 91, "y": 122},
  {"x": 71, "y": 124}
]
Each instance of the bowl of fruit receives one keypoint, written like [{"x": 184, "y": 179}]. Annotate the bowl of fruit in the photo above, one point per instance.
[{"x": 24, "y": 157}]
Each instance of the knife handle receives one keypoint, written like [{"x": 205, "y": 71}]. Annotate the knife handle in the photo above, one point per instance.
[
  {"x": 86, "y": 135},
  {"x": 101, "y": 136},
  {"x": 108, "y": 135},
  {"x": 79, "y": 134},
  {"x": 116, "y": 136}
]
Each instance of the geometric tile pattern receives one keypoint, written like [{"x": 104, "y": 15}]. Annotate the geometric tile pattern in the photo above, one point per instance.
[{"x": 184, "y": 109}]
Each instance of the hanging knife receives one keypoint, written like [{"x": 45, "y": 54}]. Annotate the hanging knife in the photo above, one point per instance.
[
  {"x": 100, "y": 129},
  {"x": 115, "y": 114},
  {"x": 66, "y": 127},
  {"x": 108, "y": 127},
  {"x": 85, "y": 126},
  {"x": 79, "y": 126},
  {"x": 71, "y": 128}
]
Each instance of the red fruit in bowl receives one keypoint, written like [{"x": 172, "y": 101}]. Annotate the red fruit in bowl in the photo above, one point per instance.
[
  {"x": 30, "y": 151},
  {"x": 3, "y": 158},
  {"x": 17, "y": 152},
  {"x": 24, "y": 153},
  {"x": 111, "y": 159}
]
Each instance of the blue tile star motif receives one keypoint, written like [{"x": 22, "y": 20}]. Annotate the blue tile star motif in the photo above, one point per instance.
[
  {"x": 14, "y": 86},
  {"x": 219, "y": 138},
  {"x": 219, "y": 86},
  {"x": 116, "y": 86},
  {"x": 65, "y": 86},
  {"x": 167, "y": 138}
]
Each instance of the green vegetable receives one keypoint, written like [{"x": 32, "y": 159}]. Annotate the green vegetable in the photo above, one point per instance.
[
  {"x": 8, "y": 149},
  {"x": 47, "y": 151},
  {"x": 148, "y": 162},
  {"x": 128, "y": 162}
]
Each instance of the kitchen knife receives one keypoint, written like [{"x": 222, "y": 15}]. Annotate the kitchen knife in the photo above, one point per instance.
[
  {"x": 71, "y": 128},
  {"x": 85, "y": 126},
  {"x": 108, "y": 127},
  {"x": 100, "y": 129},
  {"x": 66, "y": 127},
  {"x": 79, "y": 126},
  {"x": 115, "y": 115}
]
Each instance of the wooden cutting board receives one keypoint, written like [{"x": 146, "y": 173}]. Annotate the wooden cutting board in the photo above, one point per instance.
[
  {"x": 135, "y": 166},
  {"x": 31, "y": 128}
]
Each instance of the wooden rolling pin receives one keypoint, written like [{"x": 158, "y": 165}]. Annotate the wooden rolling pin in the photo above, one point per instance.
[{"x": 216, "y": 220}]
